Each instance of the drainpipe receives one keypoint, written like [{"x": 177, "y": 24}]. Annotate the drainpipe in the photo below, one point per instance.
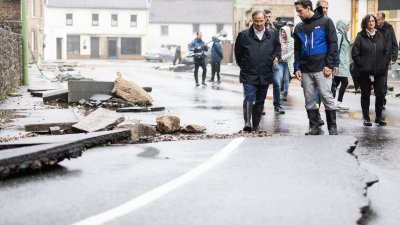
[{"x": 25, "y": 46}]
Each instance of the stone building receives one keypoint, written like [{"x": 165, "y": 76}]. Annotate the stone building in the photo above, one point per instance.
[
  {"x": 10, "y": 14},
  {"x": 35, "y": 29}
]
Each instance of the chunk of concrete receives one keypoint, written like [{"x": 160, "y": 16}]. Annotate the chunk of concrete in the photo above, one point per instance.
[
  {"x": 140, "y": 109},
  {"x": 55, "y": 95},
  {"x": 55, "y": 130},
  {"x": 101, "y": 119},
  {"x": 140, "y": 130},
  {"x": 131, "y": 92},
  {"x": 85, "y": 89},
  {"x": 168, "y": 124},
  {"x": 41, "y": 120},
  {"x": 193, "y": 129}
]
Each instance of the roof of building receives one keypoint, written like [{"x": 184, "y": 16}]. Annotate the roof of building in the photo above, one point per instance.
[
  {"x": 99, "y": 4},
  {"x": 191, "y": 11}
]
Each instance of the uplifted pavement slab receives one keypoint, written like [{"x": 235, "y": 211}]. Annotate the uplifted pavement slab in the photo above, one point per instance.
[
  {"x": 274, "y": 180},
  {"x": 86, "y": 138},
  {"x": 18, "y": 160},
  {"x": 101, "y": 119}
]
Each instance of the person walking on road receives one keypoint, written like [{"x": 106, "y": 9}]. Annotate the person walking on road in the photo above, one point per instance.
[
  {"x": 341, "y": 78},
  {"x": 315, "y": 49},
  {"x": 216, "y": 57},
  {"x": 199, "y": 58},
  {"x": 257, "y": 50},
  {"x": 369, "y": 54},
  {"x": 286, "y": 63},
  {"x": 390, "y": 38},
  {"x": 178, "y": 55}
]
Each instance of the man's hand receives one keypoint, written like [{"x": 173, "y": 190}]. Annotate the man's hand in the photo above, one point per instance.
[
  {"x": 327, "y": 71},
  {"x": 335, "y": 70},
  {"x": 298, "y": 75},
  {"x": 276, "y": 61}
]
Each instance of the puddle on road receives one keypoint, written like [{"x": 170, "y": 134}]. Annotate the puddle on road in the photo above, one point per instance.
[{"x": 149, "y": 152}]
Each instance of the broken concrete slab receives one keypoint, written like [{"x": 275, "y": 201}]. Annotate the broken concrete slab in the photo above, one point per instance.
[
  {"x": 168, "y": 124},
  {"x": 131, "y": 92},
  {"x": 191, "y": 128},
  {"x": 140, "y": 109},
  {"x": 87, "y": 139},
  {"x": 55, "y": 95},
  {"x": 299, "y": 182},
  {"x": 85, "y": 89},
  {"x": 101, "y": 119},
  {"x": 55, "y": 130},
  {"x": 140, "y": 130},
  {"x": 21, "y": 159},
  {"x": 100, "y": 97},
  {"x": 41, "y": 120}
]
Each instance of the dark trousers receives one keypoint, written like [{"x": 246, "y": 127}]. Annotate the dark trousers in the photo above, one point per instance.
[
  {"x": 179, "y": 58},
  {"x": 200, "y": 63},
  {"x": 255, "y": 93},
  {"x": 215, "y": 68},
  {"x": 379, "y": 89},
  {"x": 343, "y": 82}
]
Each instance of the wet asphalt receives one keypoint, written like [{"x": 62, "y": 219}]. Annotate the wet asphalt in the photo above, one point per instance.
[{"x": 216, "y": 106}]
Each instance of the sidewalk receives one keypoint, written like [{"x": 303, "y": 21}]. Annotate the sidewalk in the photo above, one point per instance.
[{"x": 230, "y": 70}]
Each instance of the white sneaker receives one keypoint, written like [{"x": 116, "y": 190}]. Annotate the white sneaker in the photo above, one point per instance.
[{"x": 339, "y": 106}]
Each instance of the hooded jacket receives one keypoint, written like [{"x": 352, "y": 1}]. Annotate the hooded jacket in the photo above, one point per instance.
[
  {"x": 370, "y": 54},
  {"x": 289, "y": 56},
  {"x": 390, "y": 39},
  {"x": 216, "y": 52},
  {"x": 255, "y": 57},
  {"x": 315, "y": 43},
  {"x": 344, "y": 48}
]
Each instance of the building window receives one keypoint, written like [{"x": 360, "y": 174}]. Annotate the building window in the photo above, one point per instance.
[
  {"x": 69, "y": 20},
  {"x": 33, "y": 41},
  {"x": 164, "y": 30},
  {"x": 95, "y": 19},
  {"x": 196, "y": 28},
  {"x": 73, "y": 44},
  {"x": 33, "y": 8},
  {"x": 133, "y": 20},
  {"x": 131, "y": 46},
  {"x": 220, "y": 27},
  {"x": 114, "y": 20}
]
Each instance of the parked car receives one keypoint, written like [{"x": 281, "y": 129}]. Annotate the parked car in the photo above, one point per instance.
[
  {"x": 188, "y": 59},
  {"x": 160, "y": 54}
]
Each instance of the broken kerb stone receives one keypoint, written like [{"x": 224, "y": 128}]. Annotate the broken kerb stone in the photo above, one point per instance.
[
  {"x": 101, "y": 119},
  {"x": 59, "y": 95},
  {"x": 168, "y": 124},
  {"x": 85, "y": 89},
  {"x": 140, "y": 109},
  {"x": 140, "y": 130},
  {"x": 131, "y": 92},
  {"x": 193, "y": 129}
]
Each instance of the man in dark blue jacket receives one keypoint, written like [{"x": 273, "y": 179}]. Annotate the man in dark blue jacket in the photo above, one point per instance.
[
  {"x": 315, "y": 49},
  {"x": 199, "y": 58},
  {"x": 216, "y": 57},
  {"x": 257, "y": 49}
]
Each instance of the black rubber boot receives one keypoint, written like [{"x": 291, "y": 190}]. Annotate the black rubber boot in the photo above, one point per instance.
[
  {"x": 331, "y": 121},
  {"x": 314, "y": 126},
  {"x": 257, "y": 113},
  {"x": 247, "y": 113}
]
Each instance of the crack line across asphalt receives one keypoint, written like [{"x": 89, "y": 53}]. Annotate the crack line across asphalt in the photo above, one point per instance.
[{"x": 162, "y": 190}]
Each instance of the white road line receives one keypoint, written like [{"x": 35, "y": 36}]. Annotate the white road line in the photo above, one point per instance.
[{"x": 162, "y": 190}]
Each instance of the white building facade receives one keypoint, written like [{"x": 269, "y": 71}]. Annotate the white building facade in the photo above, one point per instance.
[{"x": 90, "y": 29}]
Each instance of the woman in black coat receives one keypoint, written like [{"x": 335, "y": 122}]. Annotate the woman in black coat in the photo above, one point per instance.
[{"x": 369, "y": 54}]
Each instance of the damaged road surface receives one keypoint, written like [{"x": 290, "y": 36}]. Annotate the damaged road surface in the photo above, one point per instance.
[{"x": 240, "y": 181}]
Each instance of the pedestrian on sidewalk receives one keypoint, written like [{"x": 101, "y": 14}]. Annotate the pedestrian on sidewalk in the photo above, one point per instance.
[
  {"x": 286, "y": 63},
  {"x": 315, "y": 49},
  {"x": 178, "y": 55},
  {"x": 216, "y": 57},
  {"x": 199, "y": 57},
  {"x": 341, "y": 78},
  {"x": 369, "y": 54},
  {"x": 257, "y": 50},
  {"x": 390, "y": 38}
]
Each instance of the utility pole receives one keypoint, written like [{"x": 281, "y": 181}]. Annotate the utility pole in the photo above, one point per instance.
[{"x": 25, "y": 45}]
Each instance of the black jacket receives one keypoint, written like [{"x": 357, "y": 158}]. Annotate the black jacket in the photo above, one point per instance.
[
  {"x": 370, "y": 54},
  {"x": 315, "y": 43},
  {"x": 391, "y": 41},
  {"x": 255, "y": 57}
]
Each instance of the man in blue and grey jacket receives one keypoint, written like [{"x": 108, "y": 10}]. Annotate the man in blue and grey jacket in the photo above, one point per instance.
[
  {"x": 199, "y": 58},
  {"x": 315, "y": 51}
]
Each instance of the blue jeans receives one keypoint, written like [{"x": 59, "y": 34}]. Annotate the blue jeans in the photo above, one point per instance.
[
  {"x": 255, "y": 93},
  {"x": 285, "y": 77},
  {"x": 276, "y": 83}
]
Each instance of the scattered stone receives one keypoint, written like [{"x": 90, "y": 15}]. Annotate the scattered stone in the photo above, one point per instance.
[
  {"x": 140, "y": 131},
  {"x": 101, "y": 119},
  {"x": 140, "y": 109},
  {"x": 130, "y": 91},
  {"x": 168, "y": 124},
  {"x": 397, "y": 95},
  {"x": 193, "y": 129},
  {"x": 82, "y": 102}
]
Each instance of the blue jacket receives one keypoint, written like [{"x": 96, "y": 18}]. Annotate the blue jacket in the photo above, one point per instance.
[
  {"x": 216, "y": 52},
  {"x": 198, "y": 43},
  {"x": 315, "y": 43}
]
